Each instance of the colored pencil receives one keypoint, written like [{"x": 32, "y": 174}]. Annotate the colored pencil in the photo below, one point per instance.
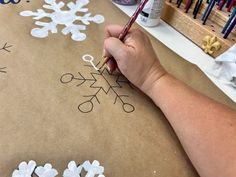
[
  {"x": 209, "y": 11},
  {"x": 127, "y": 27},
  {"x": 188, "y": 5},
  {"x": 229, "y": 21},
  {"x": 231, "y": 5},
  {"x": 218, "y": 2},
  {"x": 228, "y": 3},
  {"x": 221, "y": 5},
  {"x": 231, "y": 27}
]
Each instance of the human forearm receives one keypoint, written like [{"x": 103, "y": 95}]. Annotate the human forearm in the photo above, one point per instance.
[{"x": 206, "y": 129}]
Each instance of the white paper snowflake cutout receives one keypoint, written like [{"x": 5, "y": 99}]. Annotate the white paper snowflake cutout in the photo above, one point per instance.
[
  {"x": 25, "y": 170},
  {"x": 73, "y": 170},
  {"x": 46, "y": 171},
  {"x": 93, "y": 169},
  {"x": 63, "y": 17},
  {"x": 28, "y": 170}
]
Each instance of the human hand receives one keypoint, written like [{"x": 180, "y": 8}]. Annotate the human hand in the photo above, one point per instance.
[{"x": 135, "y": 57}]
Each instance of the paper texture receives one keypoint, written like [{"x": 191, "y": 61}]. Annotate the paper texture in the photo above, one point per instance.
[{"x": 39, "y": 114}]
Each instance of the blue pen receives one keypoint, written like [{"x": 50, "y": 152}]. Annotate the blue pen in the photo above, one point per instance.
[
  {"x": 209, "y": 12},
  {"x": 204, "y": 15},
  {"x": 231, "y": 27},
  {"x": 229, "y": 21}
]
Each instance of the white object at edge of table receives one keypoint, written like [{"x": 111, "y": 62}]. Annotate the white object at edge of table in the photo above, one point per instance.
[{"x": 177, "y": 42}]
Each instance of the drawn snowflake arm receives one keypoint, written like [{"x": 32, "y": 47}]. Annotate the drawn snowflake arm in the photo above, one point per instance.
[
  {"x": 89, "y": 59},
  {"x": 87, "y": 18},
  {"x": 43, "y": 32},
  {"x": 92, "y": 97},
  {"x": 78, "y": 6},
  {"x": 122, "y": 80},
  {"x": 53, "y": 5},
  {"x": 87, "y": 106},
  {"x": 6, "y": 47},
  {"x": 75, "y": 31},
  {"x": 3, "y": 70},
  {"x": 83, "y": 81},
  {"x": 36, "y": 15},
  {"x": 68, "y": 78},
  {"x": 127, "y": 107}
]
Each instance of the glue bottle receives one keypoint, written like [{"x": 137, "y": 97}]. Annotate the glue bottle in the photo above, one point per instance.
[
  {"x": 151, "y": 14},
  {"x": 125, "y": 2}
]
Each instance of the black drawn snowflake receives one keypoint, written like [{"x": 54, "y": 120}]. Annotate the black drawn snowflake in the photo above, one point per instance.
[
  {"x": 5, "y": 47},
  {"x": 110, "y": 86},
  {"x": 3, "y": 70}
]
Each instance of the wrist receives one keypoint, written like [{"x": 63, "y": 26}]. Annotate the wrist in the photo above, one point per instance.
[{"x": 154, "y": 76}]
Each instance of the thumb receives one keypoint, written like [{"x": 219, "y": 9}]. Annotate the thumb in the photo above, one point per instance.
[{"x": 114, "y": 47}]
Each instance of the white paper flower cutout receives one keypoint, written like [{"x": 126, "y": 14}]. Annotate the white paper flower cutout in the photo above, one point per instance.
[
  {"x": 73, "y": 170},
  {"x": 46, "y": 171},
  {"x": 25, "y": 170},
  {"x": 66, "y": 18},
  {"x": 93, "y": 169}
]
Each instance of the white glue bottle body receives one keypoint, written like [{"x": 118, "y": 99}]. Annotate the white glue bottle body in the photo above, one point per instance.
[{"x": 151, "y": 14}]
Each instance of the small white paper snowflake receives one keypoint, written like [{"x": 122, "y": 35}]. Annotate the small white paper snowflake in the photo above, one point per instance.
[
  {"x": 46, "y": 171},
  {"x": 93, "y": 169},
  {"x": 25, "y": 170},
  {"x": 63, "y": 17},
  {"x": 73, "y": 170}
]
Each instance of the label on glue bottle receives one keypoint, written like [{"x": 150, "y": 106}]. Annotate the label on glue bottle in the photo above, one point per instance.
[{"x": 151, "y": 14}]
